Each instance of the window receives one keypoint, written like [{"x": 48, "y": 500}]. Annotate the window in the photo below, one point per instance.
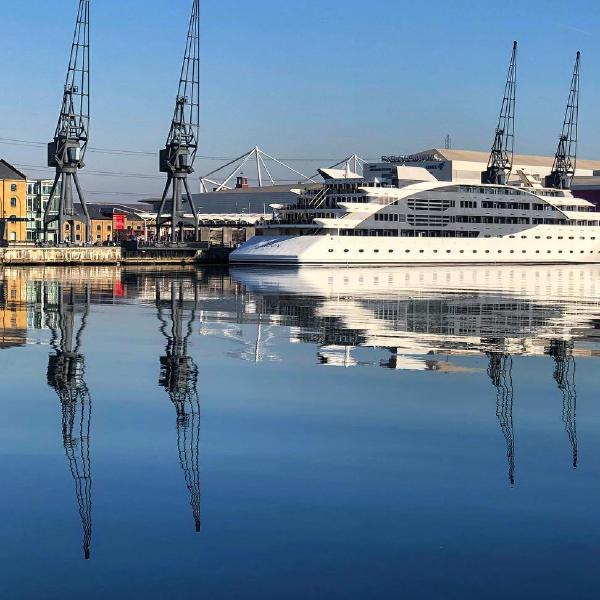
[
  {"x": 330, "y": 249},
  {"x": 13, "y": 236},
  {"x": 13, "y": 202},
  {"x": 98, "y": 227},
  {"x": 13, "y": 187}
]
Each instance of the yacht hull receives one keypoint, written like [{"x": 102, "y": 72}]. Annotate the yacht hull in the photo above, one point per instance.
[{"x": 538, "y": 245}]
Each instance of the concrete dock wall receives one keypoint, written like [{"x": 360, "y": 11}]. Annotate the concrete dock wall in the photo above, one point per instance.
[
  {"x": 112, "y": 255},
  {"x": 60, "y": 256}
]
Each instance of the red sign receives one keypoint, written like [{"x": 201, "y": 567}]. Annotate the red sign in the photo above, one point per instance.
[{"x": 119, "y": 222}]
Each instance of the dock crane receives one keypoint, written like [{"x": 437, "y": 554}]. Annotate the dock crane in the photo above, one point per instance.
[
  {"x": 500, "y": 372},
  {"x": 66, "y": 375},
  {"x": 565, "y": 159},
  {"x": 177, "y": 157},
  {"x": 501, "y": 157},
  {"x": 67, "y": 151},
  {"x": 564, "y": 375},
  {"x": 179, "y": 376}
]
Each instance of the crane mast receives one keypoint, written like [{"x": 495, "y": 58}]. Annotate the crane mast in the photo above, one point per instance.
[
  {"x": 66, "y": 152},
  {"x": 177, "y": 157},
  {"x": 565, "y": 159},
  {"x": 501, "y": 157}
]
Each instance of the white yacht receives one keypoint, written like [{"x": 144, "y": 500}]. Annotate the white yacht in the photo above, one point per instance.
[{"x": 416, "y": 218}]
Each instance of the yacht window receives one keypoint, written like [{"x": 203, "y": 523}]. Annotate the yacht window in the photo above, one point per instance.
[
  {"x": 448, "y": 251},
  {"x": 548, "y": 237},
  {"x": 571, "y": 238},
  {"x": 523, "y": 237},
  {"x": 330, "y": 250},
  {"x": 375, "y": 250},
  {"x": 346, "y": 250},
  {"x": 407, "y": 251},
  {"x": 390, "y": 251},
  {"x": 421, "y": 251},
  {"x": 361, "y": 250},
  {"x": 537, "y": 237}
]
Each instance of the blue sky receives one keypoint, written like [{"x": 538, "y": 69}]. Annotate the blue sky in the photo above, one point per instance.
[{"x": 302, "y": 79}]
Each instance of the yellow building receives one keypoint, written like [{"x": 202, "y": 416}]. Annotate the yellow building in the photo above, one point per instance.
[{"x": 13, "y": 204}]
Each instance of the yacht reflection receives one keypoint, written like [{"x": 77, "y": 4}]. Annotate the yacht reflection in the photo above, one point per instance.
[
  {"x": 179, "y": 376},
  {"x": 424, "y": 317},
  {"x": 67, "y": 311}
]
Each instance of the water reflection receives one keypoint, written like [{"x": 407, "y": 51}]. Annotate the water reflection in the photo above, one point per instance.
[
  {"x": 179, "y": 376},
  {"x": 564, "y": 375},
  {"x": 500, "y": 372},
  {"x": 417, "y": 319},
  {"x": 424, "y": 317},
  {"x": 66, "y": 313}
]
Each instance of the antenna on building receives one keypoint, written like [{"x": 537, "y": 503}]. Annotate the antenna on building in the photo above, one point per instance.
[
  {"x": 177, "y": 157},
  {"x": 448, "y": 142},
  {"x": 501, "y": 156},
  {"x": 565, "y": 159},
  {"x": 67, "y": 151}
]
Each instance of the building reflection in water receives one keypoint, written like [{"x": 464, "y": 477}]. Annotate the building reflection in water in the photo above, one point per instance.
[
  {"x": 66, "y": 318},
  {"x": 179, "y": 376}
]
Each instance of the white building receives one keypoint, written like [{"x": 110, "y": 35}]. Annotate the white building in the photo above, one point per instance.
[{"x": 467, "y": 166}]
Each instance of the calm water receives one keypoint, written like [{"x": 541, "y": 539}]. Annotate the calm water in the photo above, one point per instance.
[{"x": 324, "y": 433}]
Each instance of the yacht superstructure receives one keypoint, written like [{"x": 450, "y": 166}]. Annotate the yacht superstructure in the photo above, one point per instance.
[{"x": 415, "y": 218}]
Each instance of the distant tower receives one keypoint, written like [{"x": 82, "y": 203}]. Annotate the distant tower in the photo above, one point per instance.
[
  {"x": 67, "y": 151},
  {"x": 501, "y": 156},
  {"x": 179, "y": 376},
  {"x": 448, "y": 142},
  {"x": 177, "y": 157},
  {"x": 565, "y": 159}
]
